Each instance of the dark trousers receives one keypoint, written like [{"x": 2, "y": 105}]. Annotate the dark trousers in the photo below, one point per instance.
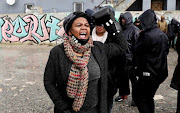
[
  {"x": 145, "y": 90},
  {"x": 110, "y": 103},
  {"x": 171, "y": 42},
  {"x": 132, "y": 76},
  {"x": 178, "y": 102}
]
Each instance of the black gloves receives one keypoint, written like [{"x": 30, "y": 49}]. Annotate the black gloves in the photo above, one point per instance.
[
  {"x": 106, "y": 18},
  {"x": 67, "y": 111}
]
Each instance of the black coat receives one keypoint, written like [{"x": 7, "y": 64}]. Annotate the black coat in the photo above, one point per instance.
[
  {"x": 58, "y": 67},
  {"x": 171, "y": 29},
  {"x": 152, "y": 49},
  {"x": 175, "y": 82},
  {"x": 131, "y": 33}
]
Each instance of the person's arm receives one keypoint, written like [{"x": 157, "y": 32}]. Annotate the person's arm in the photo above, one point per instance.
[
  {"x": 118, "y": 44},
  {"x": 158, "y": 24},
  {"x": 50, "y": 84},
  {"x": 135, "y": 37},
  {"x": 142, "y": 44},
  {"x": 166, "y": 28}
]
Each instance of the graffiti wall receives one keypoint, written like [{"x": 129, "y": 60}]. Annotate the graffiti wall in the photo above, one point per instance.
[
  {"x": 48, "y": 27},
  {"x": 30, "y": 28}
]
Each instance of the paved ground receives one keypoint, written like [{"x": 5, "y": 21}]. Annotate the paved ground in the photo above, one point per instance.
[{"x": 22, "y": 90}]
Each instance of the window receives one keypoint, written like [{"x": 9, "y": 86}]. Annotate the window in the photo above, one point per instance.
[
  {"x": 28, "y": 7},
  {"x": 78, "y": 6},
  {"x": 157, "y": 5}
]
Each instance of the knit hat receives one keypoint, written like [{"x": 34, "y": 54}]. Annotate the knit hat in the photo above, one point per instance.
[{"x": 73, "y": 16}]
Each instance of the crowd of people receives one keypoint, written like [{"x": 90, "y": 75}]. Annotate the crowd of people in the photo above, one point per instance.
[{"x": 100, "y": 55}]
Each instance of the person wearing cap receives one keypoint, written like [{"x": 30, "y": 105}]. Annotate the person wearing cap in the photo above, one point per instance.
[{"x": 75, "y": 76}]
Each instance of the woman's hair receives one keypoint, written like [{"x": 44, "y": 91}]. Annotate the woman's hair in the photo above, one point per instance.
[{"x": 73, "y": 16}]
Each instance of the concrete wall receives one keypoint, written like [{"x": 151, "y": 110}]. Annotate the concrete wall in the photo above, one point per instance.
[
  {"x": 48, "y": 6},
  {"x": 140, "y": 5},
  {"x": 171, "y": 5},
  {"x": 146, "y": 4},
  {"x": 167, "y": 14},
  {"x": 124, "y": 5}
]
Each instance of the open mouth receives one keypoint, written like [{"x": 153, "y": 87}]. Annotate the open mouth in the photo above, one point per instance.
[
  {"x": 99, "y": 29},
  {"x": 83, "y": 35}
]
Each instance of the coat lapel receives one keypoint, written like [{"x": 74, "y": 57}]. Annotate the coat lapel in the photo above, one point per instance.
[
  {"x": 98, "y": 56},
  {"x": 98, "y": 53}
]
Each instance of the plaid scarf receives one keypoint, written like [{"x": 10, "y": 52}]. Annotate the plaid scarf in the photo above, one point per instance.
[{"x": 78, "y": 77}]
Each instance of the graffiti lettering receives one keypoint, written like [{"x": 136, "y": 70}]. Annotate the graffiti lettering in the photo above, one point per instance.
[
  {"x": 30, "y": 28},
  {"x": 53, "y": 26}
]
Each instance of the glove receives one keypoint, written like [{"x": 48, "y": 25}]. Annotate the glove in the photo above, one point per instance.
[
  {"x": 106, "y": 18},
  {"x": 67, "y": 111}
]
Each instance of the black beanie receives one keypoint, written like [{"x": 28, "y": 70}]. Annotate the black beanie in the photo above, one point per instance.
[{"x": 73, "y": 16}]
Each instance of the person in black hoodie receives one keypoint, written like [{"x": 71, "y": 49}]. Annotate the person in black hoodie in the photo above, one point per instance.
[
  {"x": 151, "y": 49},
  {"x": 131, "y": 33},
  {"x": 171, "y": 32},
  {"x": 175, "y": 82}
]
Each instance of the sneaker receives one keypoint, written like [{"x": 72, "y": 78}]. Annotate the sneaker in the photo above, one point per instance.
[{"x": 118, "y": 99}]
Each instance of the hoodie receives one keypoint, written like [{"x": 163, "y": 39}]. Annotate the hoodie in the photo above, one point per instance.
[
  {"x": 152, "y": 48},
  {"x": 131, "y": 33}
]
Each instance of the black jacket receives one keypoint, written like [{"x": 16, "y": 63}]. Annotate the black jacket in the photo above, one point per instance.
[
  {"x": 171, "y": 29},
  {"x": 175, "y": 82},
  {"x": 117, "y": 76},
  {"x": 58, "y": 67},
  {"x": 152, "y": 48},
  {"x": 131, "y": 33}
]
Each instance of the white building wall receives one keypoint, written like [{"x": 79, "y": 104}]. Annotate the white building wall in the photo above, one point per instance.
[
  {"x": 146, "y": 5},
  {"x": 171, "y": 5}
]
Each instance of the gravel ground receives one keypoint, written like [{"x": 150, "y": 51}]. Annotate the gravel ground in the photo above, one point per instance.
[{"x": 22, "y": 90}]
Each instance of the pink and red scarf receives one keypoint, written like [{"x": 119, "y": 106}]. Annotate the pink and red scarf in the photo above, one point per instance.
[{"x": 78, "y": 77}]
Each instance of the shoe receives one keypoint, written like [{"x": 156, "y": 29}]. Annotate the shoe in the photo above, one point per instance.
[
  {"x": 133, "y": 103},
  {"x": 118, "y": 99}
]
